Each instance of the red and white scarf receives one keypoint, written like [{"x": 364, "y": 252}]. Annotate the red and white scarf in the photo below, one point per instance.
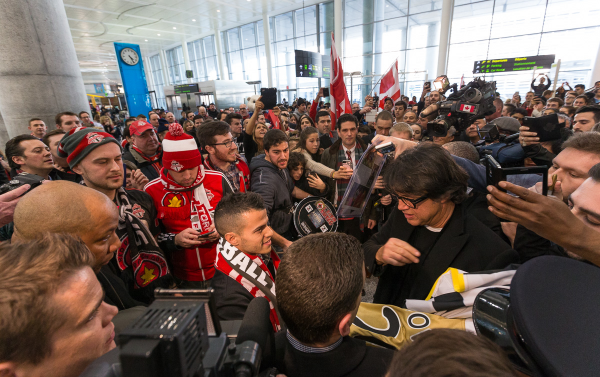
[
  {"x": 200, "y": 209},
  {"x": 251, "y": 272},
  {"x": 155, "y": 158}
]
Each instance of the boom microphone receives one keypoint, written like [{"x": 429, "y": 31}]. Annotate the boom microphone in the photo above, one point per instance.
[{"x": 256, "y": 326}]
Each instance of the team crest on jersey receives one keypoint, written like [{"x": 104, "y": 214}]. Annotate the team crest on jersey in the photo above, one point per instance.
[
  {"x": 138, "y": 211},
  {"x": 176, "y": 166},
  {"x": 148, "y": 266},
  {"x": 209, "y": 194},
  {"x": 173, "y": 200},
  {"x": 93, "y": 138}
]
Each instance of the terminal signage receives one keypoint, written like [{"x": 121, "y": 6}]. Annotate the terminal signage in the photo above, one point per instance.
[
  {"x": 526, "y": 63},
  {"x": 186, "y": 88},
  {"x": 312, "y": 64}
]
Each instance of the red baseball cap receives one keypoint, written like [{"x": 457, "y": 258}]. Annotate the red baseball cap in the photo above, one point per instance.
[{"x": 139, "y": 127}]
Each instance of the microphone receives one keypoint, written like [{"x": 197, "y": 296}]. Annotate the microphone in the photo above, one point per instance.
[{"x": 256, "y": 326}]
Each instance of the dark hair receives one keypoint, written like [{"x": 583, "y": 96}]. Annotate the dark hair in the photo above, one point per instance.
[
  {"x": 197, "y": 117},
  {"x": 322, "y": 113},
  {"x": 57, "y": 119},
  {"x": 318, "y": 282},
  {"x": 312, "y": 122},
  {"x": 590, "y": 109},
  {"x": 82, "y": 112},
  {"x": 594, "y": 172},
  {"x": 450, "y": 353},
  {"x": 510, "y": 107},
  {"x": 296, "y": 159},
  {"x": 463, "y": 149},
  {"x": 584, "y": 141},
  {"x": 230, "y": 117},
  {"x": 554, "y": 111},
  {"x": 206, "y": 134},
  {"x": 402, "y": 104},
  {"x": 570, "y": 110},
  {"x": 126, "y": 132},
  {"x": 304, "y": 134},
  {"x": 14, "y": 149},
  {"x": 141, "y": 116},
  {"x": 557, "y": 100},
  {"x": 580, "y": 86},
  {"x": 384, "y": 115},
  {"x": 221, "y": 114},
  {"x": 46, "y": 138},
  {"x": 428, "y": 169},
  {"x": 519, "y": 110},
  {"x": 546, "y": 92},
  {"x": 346, "y": 118},
  {"x": 31, "y": 274},
  {"x": 364, "y": 129},
  {"x": 584, "y": 98},
  {"x": 273, "y": 138},
  {"x": 231, "y": 206},
  {"x": 32, "y": 119}
]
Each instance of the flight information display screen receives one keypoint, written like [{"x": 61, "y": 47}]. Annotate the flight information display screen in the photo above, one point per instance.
[
  {"x": 525, "y": 63},
  {"x": 312, "y": 64}
]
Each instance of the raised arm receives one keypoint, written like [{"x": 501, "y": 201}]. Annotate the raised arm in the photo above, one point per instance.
[{"x": 258, "y": 106}]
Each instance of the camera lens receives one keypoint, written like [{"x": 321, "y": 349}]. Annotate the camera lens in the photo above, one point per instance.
[{"x": 472, "y": 95}]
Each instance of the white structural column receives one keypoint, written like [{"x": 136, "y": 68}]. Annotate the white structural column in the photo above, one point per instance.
[
  {"x": 163, "y": 65},
  {"x": 186, "y": 57},
  {"x": 269, "y": 67},
  {"x": 39, "y": 70},
  {"x": 337, "y": 15},
  {"x": 595, "y": 72},
  {"x": 445, "y": 32},
  {"x": 220, "y": 55}
]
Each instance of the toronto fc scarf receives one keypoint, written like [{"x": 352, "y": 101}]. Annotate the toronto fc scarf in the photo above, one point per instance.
[
  {"x": 251, "y": 272},
  {"x": 141, "y": 261},
  {"x": 156, "y": 158},
  {"x": 198, "y": 209}
]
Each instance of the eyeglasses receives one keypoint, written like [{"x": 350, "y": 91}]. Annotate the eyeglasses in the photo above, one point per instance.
[
  {"x": 410, "y": 203},
  {"x": 227, "y": 144}
]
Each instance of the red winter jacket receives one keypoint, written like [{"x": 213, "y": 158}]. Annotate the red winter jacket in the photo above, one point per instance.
[
  {"x": 242, "y": 167},
  {"x": 174, "y": 211}
]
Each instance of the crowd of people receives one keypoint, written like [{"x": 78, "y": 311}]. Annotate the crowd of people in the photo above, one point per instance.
[{"x": 207, "y": 201}]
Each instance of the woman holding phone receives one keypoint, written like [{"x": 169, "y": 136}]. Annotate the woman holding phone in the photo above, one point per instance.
[{"x": 309, "y": 147}]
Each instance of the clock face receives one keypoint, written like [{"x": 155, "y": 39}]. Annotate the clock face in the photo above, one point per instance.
[{"x": 129, "y": 56}]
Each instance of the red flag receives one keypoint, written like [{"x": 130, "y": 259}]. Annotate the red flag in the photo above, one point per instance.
[
  {"x": 462, "y": 81},
  {"x": 389, "y": 85},
  {"x": 340, "y": 104}
]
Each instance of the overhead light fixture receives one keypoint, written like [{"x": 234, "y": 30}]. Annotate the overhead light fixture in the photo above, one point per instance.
[
  {"x": 193, "y": 20},
  {"x": 174, "y": 28},
  {"x": 158, "y": 35},
  {"x": 146, "y": 40},
  {"x": 218, "y": 10}
]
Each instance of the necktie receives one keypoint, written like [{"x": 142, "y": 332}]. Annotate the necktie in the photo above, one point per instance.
[{"x": 349, "y": 154}]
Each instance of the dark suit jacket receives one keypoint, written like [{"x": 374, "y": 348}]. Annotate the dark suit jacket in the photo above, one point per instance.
[
  {"x": 231, "y": 298},
  {"x": 351, "y": 358},
  {"x": 465, "y": 243}
]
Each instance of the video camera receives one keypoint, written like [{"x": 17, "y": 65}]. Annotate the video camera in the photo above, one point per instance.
[
  {"x": 180, "y": 335},
  {"x": 461, "y": 108}
]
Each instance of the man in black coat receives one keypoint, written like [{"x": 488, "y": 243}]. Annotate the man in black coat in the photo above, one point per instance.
[
  {"x": 319, "y": 286},
  {"x": 430, "y": 230},
  {"x": 241, "y": 220}
]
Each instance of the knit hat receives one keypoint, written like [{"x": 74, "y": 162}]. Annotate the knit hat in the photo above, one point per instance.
[
  {"x": 506, "y": 124},
  {"x": 162, "y": 128},
  {"x": 80, "y": 141},
  {"x": 180, "y": 151}
]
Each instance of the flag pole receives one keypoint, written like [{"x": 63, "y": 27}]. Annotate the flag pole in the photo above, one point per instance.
[{"x": 391, "y": 65}]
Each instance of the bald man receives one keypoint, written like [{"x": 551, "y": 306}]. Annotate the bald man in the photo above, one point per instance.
[{"x": 68, "y": 207}]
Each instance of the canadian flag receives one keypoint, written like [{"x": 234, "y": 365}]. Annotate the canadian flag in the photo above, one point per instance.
[
  {"x": 340, "y": 104},
  {"x": 389, "y": 85}
]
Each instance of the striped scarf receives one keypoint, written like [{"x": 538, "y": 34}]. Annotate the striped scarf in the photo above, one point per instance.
[{"x": 235, "y": 264}]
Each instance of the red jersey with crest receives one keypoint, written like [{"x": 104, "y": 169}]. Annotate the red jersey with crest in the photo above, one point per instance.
[{"x": 175, "y": 210}]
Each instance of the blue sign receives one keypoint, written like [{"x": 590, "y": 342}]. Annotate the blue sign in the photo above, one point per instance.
[
  {"x": 99, "y": 88},
  {"x": 134, "y": 78}
]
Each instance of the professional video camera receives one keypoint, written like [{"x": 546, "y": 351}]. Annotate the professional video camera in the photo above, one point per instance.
[
  {"x": 461, "y": 108},
  {"x": 180, "y": 335}
]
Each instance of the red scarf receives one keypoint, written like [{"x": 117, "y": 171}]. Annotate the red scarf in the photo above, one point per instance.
[
  {"x": 253, "y": 265},
  {"x": 199, "y": 205},
  {"x": 155, "y": 158}
]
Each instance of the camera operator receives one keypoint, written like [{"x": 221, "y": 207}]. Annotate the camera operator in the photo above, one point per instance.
[
  {"x": 28, "y": 154},
  {"x": 472, "y": 132},
  {"x": 244, "y": 251},
  {"x": 429, "y": 231},
  {"x": 101, "y": 166},
  {"x": 54, "y": 320},
  {"x": 319, "y": 286}
]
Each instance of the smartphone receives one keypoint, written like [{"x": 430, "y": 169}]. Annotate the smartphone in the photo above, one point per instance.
[
  {"x": 496, "y": 173},
  {"x": 348, "y": 163},
  {"x": 427, "y": 84},
  {"x": 206, "y": 234},
  {"x": 269, "y": 97},
  {"x": 325, "y": 92},
  {"x": 546, "y": 127}
]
